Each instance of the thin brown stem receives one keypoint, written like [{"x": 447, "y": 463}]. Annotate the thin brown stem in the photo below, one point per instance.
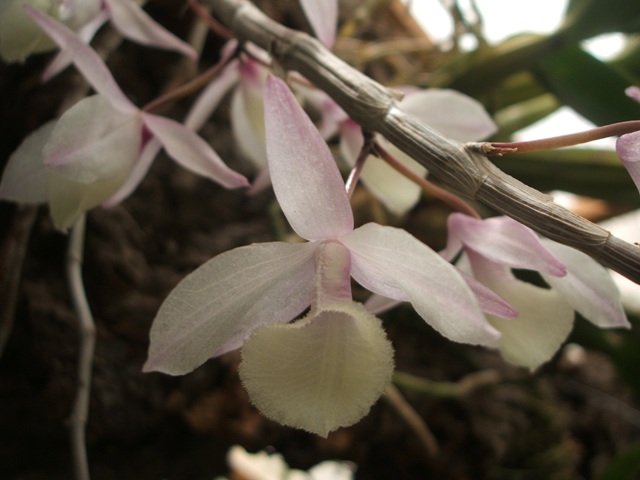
[
  {"x": 355, "y": 172},
  {"x": 455, "y": 202},
  {"x": 561, "y": 141},
  {"x": 213, "y": 24},
  {"x": 415, "y": 421},
  {"x": 186, "y": 89}
]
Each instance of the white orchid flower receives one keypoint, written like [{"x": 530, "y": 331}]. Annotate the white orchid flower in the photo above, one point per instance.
[
  {"x": 494, "y": 246},
  {"x": 20, "y": 37},
  {"x": 100, "y": 147},
  {"x": 325, "y": 370}
]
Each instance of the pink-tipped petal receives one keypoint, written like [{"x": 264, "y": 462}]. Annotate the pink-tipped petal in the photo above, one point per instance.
[
  {"x": 323, "y": 17},
  {"x": 304, "y": 174},
  {"x": 192, "y": 152},
  {"x": 628, "y": 149},
  {"x": 391, "y": 262},
  {"x": 136, "y": 25},
  {"x": 63, "y": 59},
  {"x": 215, "y": 308},
  {"x": 503, "y": 240},
  {"x": 260, "y": 183},
  {"x": 85, "y": 59},
  {"x": 588, "y": 288},
  {"x": 25, "y": 177},
  {"x": 451, "y": 113},
  {"x": 490, "y": 302},
  {"x": 633, "y": 92}
]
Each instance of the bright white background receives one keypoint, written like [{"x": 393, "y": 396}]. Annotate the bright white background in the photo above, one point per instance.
[{"x": 504, "y": 18}]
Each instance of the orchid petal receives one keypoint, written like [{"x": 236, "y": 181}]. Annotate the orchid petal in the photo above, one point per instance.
[
  {"x": 332, "y": 116},
  {"x": 628, "y": 149},
  {"x": 216, "y": 307},
  {"x": 588, "y": 288},
  {"x": 210, "y": 97},
  {"x": 633, "y": 92},
  {"x": 85, "y": 58},
  {"x": 192, "y": 152},
  {"x": 93, "y": 142},
  {"x": 503, "y": 240},
  {"x": 25, "y": 176},
  {"x": 323, "y": 17},
  {"x": 378, "y": 304},
  {"x": 490, "y": 302},
  {"x": 320, "y": 373},
  {"x": 138, "y": 172},
  {"x": 19, "y": 37},
  {"x": 305, "y": 177},
  {"x": 64, "y": 58},
  {"x": 77, "y": 13},
  {"x": 247, "y": 123},
  {"x": 451, "y": 113},
  {"x": 396, "y": 192},
  {"x": 543, "y": 324},
  {"x": 260, "y": 183},
  {"x": 69, "y": 199},
  {"x": 135, "y": 24},
  {"x": 626, "y": 227},
  {"x": 391, "y": 262}
]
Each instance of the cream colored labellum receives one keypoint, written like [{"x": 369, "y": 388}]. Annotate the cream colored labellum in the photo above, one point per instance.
[{"x": 320, "y": 373}]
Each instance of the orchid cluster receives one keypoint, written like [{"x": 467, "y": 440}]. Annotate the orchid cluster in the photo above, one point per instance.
[
  {"x": 312, "y": 357},
  {"x": 20, "y": 37}
]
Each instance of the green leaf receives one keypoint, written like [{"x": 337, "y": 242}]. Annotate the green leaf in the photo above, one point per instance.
[
  {"x": 624, "y": 466},
  {"x": 591, "y": 87},
  {"x": 588, "y": 18},
  {"x": 593, "y": 173}
]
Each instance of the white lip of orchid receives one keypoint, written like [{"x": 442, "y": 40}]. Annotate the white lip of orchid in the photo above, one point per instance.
[{"x": 319, "y": 373}]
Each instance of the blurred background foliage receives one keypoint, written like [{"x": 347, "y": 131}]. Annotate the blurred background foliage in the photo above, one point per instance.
[{"x": 522, "y": 80}]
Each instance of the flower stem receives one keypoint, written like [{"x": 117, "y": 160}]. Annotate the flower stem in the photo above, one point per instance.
[
  {"x": 500, "y": 149},
  {"x": 87, "y": 330},
  {"x": 464, "y": 386},
  {"x": 206, "y": 17},
  {"x": 455, "y": 202},
  {"x": 188, "y": 88},
  {"x": 354, "y": 175}
]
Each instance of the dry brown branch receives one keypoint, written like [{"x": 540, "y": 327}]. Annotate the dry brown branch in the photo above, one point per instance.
[{"x": 467, "y": 173}]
